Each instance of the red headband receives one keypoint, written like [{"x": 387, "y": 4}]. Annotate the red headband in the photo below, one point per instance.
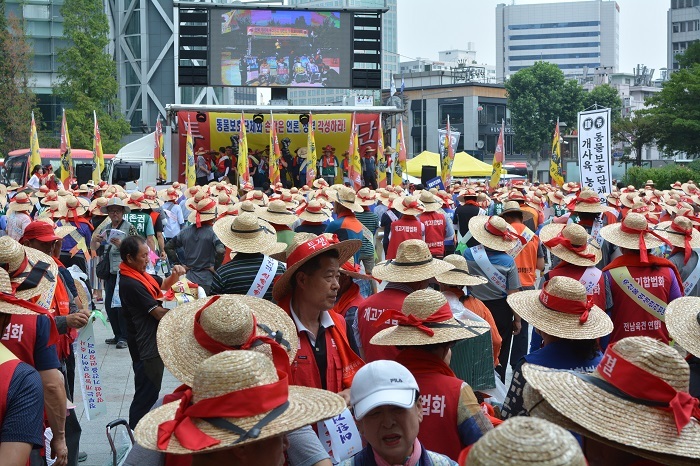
[
  {"x": 561, "y": 240},
  {"x": 567, "y": 306},
  {"x": 412, "y": 205},
  {"x": 238, "y": 404},
  {"x": 24, "y": 200},
  {"x": 198, "y": 215},
  {"x": 582, "y": 200},
  {"x": 136, "y": 201},
  {"x": 638, "y": 383},
  {"x": 279, "y": 355},
  {"x": 687, "y": 235},
  {"x": 442, "y": 314},
  {"x": 642, "y": 242},
  {"x": 314, "y": 209},
  {"x": 506, "y": 235},
  {"x": 312, "y": 246}
]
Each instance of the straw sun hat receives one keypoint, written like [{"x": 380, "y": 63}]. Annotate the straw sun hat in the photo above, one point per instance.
[
  {"x": 459, "y": 276},
  {"x": 218, "y": 381},
  {"x": 19, "y": 261},
  {"x": 347, "y": 198},
  {"x": 587, "y": 201},
  {"x": 115, "y": 201},
  {"x": 571, "y": 243},
  {"x": 21, "y": 203},
  {"x": 246, "y": 233},
  {"x": 276, "y": 213},
  {"x": 408, "y": 205},
  {"x": 203, "y": 211},
  {"x": 632, "y": 233},
  {"x": 494, "y": 232},
  {"x": 413, "y": 263},
  {"x": 431, "y": 203},
  {"x": 680, "y": 233},
  {"x": 425, "y": 319},
  {"x": 513, "y": 206},
  {"x": 10, "y": 308},
  {"x": 315, "y": 212},
  {"x": 625, "y": 402},
  {"x": 366, "y": 197},
  {"x": 683, "y": 323},
  {"x": 229, "y": 322},
  {"x": 526, "y": 440},
  {"x": 303, "y": 248},
  {"x": 562, "y": 309}
]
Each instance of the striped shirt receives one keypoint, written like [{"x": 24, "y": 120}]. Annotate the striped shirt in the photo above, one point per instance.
[
  {"x": 371, "y": 222},
  {"x": 237, "y": 276}
]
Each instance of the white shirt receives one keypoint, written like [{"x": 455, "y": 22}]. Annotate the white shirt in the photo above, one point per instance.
[
  {"x": 458, "y": 310},
  {"x": 326, "y": 321},
  {"x": 34, "y": 182}
]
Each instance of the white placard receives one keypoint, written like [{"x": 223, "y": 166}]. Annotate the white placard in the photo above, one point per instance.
[
  {"x": 340, "y": 437},
  {"x": 88, "y": 370},
  {"x": 594, "y": 150}
]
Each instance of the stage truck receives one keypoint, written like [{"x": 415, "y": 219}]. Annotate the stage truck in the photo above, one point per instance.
[
  {"x": 16, "y": 165},
  {"x": 217, "y": 126}
]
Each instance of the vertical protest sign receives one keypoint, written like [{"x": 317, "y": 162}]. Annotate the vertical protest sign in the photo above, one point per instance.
[
  {"x": 594, "y": 150},
  {"x": 88, "y": 371}
]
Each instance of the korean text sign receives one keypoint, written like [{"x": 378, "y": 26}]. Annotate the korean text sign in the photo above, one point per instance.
[{"x": 594, "y": 150}]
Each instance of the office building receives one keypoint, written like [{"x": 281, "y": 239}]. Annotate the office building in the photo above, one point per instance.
[
  {"x": 390, "y": 57},
  {"x": 683, "y": 28},
  {"x": 575, "y": 36}
]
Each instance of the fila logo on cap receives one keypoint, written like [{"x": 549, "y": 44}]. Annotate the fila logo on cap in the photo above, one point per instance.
[{"x": 395, "y": 380}]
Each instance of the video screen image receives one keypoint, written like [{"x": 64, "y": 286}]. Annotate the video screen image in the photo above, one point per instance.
[{"x": 281, "y": 48}]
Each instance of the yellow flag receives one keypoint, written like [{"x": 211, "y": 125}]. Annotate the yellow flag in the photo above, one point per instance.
[
  {"x": 498, "y": 158},
  {"x": 243, "y": 171},
  {"x": 312, "y": 158},
  {"x": 190, "y": 168},
  {"x": 381, "y": 157},
  {"x": 355, "y": 165},
  {"x": 399, "y": 156},
  {"x": 35, "y": 157},
  {"x": 159, "y": 151},
  {"x": 555, "y": 161},
  {"x": 65, "y": 151},
  {"x": 275, "y": 152},
  {"x": 98, "y": 158},
  {"x": 448, "y": 157}
]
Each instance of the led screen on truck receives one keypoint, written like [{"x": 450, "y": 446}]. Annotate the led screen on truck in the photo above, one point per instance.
[{"x": 280, "y": 48}]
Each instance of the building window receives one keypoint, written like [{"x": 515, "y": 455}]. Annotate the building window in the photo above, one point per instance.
[
  {"x": 517, "y": 27},
  {"x": 456, "y": 112},
  {"x": 555, "y": 56},
  {"x": 568, "y": 45},
  {"x": 560, "y": 35},
  {"x": 418, "y": 117}
]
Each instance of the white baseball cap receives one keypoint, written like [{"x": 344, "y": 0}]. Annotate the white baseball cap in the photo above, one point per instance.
[{"x": 382, "y": 383}]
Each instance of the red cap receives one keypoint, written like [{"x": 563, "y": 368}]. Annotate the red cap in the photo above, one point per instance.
[{"x": 41, "y": 231}]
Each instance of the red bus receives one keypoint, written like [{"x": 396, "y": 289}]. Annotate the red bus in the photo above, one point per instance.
[{"x": 16, "y": 166}]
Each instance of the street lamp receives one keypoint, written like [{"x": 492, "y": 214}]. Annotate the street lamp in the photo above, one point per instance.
[{"x": 422, "y": 114}]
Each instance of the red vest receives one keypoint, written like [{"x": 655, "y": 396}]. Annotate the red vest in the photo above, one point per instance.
[
  {"x": 328, "y": 161},
  {"x": 434, "y": 223},
  {"x": 367, "y": 315},
  {"x": 60, "y": 305},
  {"x": 7, "y": 370},
  {"x": 610, "y": 218},
  {"x": 526, "y": 261},
  {"x": 304, "y": 368},
  {"x": 439, "y": 396},
  {"x": 154, "y": 216},
  {"x": 629, "y": 318},
  {"x": 564, "y": 269},
  {"x": 221, "y": 164},
  {"x": 405, "y": 228},
  {"x": 20, "y": 337}
]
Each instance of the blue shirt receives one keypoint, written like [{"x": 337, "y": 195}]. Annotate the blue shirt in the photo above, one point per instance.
[
  {"x": 68, "y": 241},
  {"x": 23, "y": 421},
  {"x": 504, "y": 264}
]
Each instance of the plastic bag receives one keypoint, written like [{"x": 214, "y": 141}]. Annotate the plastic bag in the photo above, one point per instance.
[{"x": 116, "y": 299}]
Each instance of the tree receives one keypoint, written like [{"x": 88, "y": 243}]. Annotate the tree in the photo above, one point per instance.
[
  {"x": 17, "y": 100},
  {"x": 675, "y": 113},
  {"x": 605, "y": 96},
  {"x": 537, "y": 97},
  {"x": 690, "y": 57},
  {"x": 88, "y": 76},
  {"x": 637, "y": 131}
]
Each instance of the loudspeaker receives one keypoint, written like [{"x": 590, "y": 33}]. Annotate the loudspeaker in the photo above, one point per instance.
[
  {"x": 83, "y": 172},
  {"x": 428, "y": 172}
]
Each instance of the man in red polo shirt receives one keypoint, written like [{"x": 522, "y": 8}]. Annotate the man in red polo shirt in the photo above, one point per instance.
[
  {"x": 306, "y": 291},
  {"x": 408, "y": 226},
  {"x": 411, "y": 270},
  {"x": 434, "y": 225}
]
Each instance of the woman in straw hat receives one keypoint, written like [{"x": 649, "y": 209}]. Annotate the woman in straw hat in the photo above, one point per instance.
[
  {"x": 74, "y": 211},
  {"x": 685, "y": 240},
  {"x": 277, "y": 214},
  {"x": 494, "y": 236},
  {"x": 586, "y": 210},
  {"x": 634, "y": 405},
  {"x": 638, "y": 284},
  {"x": 306, "y": 291},
  {"x": 251, "y": 271},
  {"x": 525, "y": 440},
  {"x": 198, "y": 244},
  {"x": 346, "y": 225},
  {"x": 18, "y": 215},
  {"x": 174, "y": 219},
  {"x": 369, "y": 219},
  {"x": 21, "y": 391},
  {"x": 434, "y": 224},
  {"x": 244, "y": 433},
  {"x": 411, "y": 270},
  {"x": 408, "y": 226},
  {"x": 570, "y": 326},
  {"x": 454, "y": 285},
  {"x": 314, "y": 216},
  {"x": 425, "y": 334}
]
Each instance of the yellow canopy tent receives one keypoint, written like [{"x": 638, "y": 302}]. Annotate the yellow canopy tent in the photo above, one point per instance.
[{"x": 464, "y": 165}]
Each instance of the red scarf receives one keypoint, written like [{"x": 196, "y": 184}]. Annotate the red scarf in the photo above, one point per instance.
[
  {"x": 346, "y": 300},
  {"x": 628, "y": 260},
  {"x": 422, "y": 362},
  {"x": 348, "y": 359},
  {"x": 145, "y": 279},
  {"x": 470, "y": 202}
]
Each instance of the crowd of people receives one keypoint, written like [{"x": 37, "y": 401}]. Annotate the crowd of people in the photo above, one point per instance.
[{"x": 530, "y": 324}]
